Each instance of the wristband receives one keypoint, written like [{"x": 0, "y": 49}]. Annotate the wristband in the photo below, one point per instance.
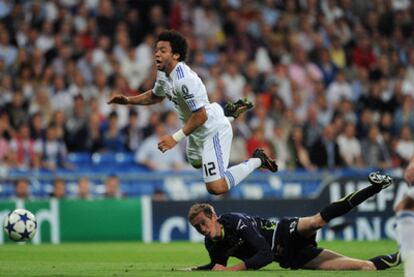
[{"x": 179, "y": 135}]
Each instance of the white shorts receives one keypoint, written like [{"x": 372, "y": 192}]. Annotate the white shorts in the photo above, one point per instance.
[{"x": 213, "y": 153}]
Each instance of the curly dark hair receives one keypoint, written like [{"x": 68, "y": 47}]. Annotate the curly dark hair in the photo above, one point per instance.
[{"x": 177, "y": 41}]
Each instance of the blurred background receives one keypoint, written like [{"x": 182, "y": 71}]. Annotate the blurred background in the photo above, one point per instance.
[{"x": 332, "y": 82}]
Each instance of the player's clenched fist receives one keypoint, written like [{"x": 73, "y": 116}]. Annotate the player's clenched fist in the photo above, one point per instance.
[
  {"x": 166, "y": 143},
  {"x": 118, "y": 99}
]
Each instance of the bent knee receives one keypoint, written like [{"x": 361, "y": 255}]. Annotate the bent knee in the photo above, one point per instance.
[
  {"x": 217, "y": 187},
  {"x": 317, "y": 221}
]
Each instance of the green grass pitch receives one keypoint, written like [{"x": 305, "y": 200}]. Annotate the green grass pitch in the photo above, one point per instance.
[{"x": 139, "y": 259}]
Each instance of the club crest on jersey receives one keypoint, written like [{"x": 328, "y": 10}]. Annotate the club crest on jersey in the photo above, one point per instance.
[{"x": 186, "y": 92}]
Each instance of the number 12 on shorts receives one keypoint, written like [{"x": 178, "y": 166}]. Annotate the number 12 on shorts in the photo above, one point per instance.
[{"x": 210, "y": 169}]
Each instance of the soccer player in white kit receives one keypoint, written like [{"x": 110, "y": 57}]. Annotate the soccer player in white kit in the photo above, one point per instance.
[
  {"x": 405, "y": 222},
  {"x": 205, "y": 124}
]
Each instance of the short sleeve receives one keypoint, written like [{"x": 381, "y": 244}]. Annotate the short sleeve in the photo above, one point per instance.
[
  {"x": 159, "y": 86},
  {"x": 189, "y": 91}
]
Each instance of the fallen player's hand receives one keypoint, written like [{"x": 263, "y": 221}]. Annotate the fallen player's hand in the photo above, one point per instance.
[
  {"x": 118, "y": 99},
  {"x": 219, "y": 267},
  {"x": 184, "y": 269}
]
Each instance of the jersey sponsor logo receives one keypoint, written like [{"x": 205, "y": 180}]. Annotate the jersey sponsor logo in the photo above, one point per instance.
[{"x": 180, "y": 73}]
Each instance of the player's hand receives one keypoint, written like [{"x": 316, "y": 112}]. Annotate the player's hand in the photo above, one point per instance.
[
  {"x": 219, "y": 267},
  {"x": 185, "y": 268},
  {"x": 118, "y": 99},
  {"x": 166, "y": 143}
]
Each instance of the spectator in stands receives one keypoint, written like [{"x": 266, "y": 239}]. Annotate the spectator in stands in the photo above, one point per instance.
[
  {"x": 21, "y": 189},
  {"x": 84, "y": 188},
  {"x": 327, "y": 66},
  {"x": 132, "y": 133},
  {"x": 37, "y": 130},
  {"x": 8, "y": 51},
  {"x": 59, "y": 189},
  {"x": 93, "y": 137},
  {"x": 304, "y": 73},
  {"x": 261, "y": 117},
  {"x": 17, "y": 110},
  {"x": 299, "y": 157},
  {"x": 76, "y": 125},
  {"x": 349, "y": 146},
  {"x": 338, "y": 90},
  {"x": 375, "y": 154},
  {"x": 6, "y": 89},
  {"x": 112, "y": 139},
  {"x": 234, "y": 83},
  {"x": 362, "y": 54},
  {"x": 79, "y": 87},
  {"x": 4, "y": 140},
  {"x": 53, "y": 150},
  {"x": 312, "y": 129},
  {"x": 132, "y": 69},
  {"x": 60, "y": 97},
  {"x": 281, "y": 147},
  {"x": 373, "y": 100},
  {"x": 324, "y": 153},
  {"x": 259, "y": 140},
  {"x": 404, "y": 115},
  {"x": 25, "y": 152},
  {"x": 112, "y": 187},
  {"x": 149, "y": 155},
  {"x": 337, "y": 53}
]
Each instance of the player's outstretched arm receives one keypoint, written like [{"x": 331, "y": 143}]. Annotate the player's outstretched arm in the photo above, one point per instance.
[
  {"x": 237, "y": 267},
  {"x": 146, "y": 98},
  {"x": 196, "y": 120}
]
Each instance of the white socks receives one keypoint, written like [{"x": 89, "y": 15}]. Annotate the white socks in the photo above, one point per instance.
[
  {"x": 405, "y": 239},
  {"x": 235, "y": 174}
]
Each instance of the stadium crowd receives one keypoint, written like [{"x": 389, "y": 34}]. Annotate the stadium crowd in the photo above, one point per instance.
[{"x": 332, "y": 81}]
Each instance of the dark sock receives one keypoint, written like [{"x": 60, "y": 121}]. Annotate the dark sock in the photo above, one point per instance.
[
  {"x": 344, "y": 205},
  {"x": 386, "y": 261}
]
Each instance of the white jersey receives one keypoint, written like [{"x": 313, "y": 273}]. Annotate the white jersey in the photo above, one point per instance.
[
  {"x": 186, "y": 90},
  {"x": 410, "y": 192}
]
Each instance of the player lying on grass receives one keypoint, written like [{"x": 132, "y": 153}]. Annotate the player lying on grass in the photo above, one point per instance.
[
  {"x": 405, "y": 222},
  {"x": 290, "y": 242},
  {"x": 206, "y": 125}
]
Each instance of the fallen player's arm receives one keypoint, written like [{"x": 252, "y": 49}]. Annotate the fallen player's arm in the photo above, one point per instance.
[
  {"x": 264, "y": 254},
  {"x": 237, "y": 267},
  {"x": 194, "y": 268}
]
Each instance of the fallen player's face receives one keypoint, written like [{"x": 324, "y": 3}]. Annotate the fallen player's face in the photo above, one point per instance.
[
  {"x": 163, "y": 56},
  {"x": 208, "y": 227}
]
